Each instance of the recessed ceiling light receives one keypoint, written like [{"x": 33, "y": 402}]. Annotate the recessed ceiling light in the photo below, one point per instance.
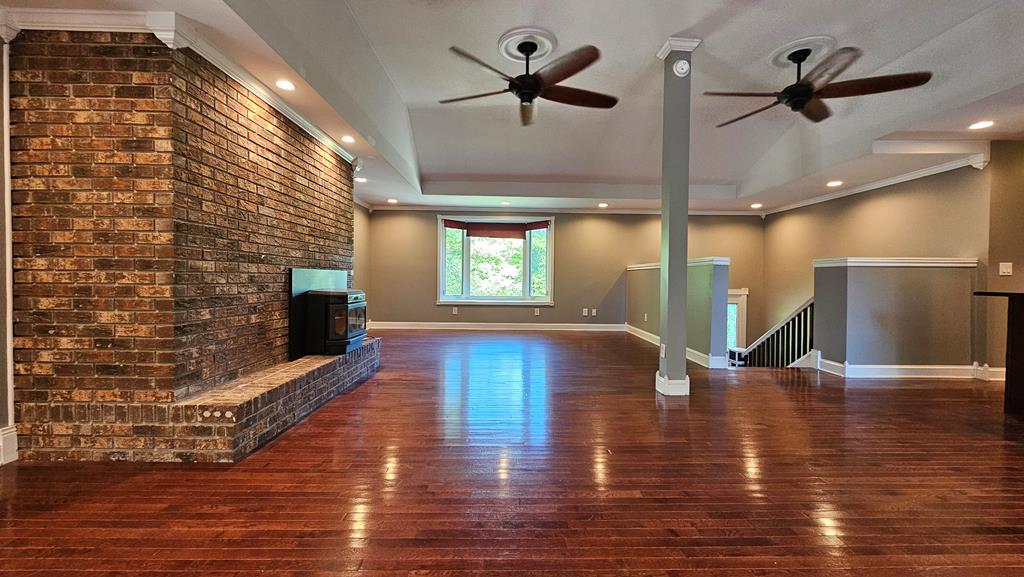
[
  {"x": 360, "y": 179},
  {"x": 981, "y": 125},
  {"x": 285, "y": 84},
  {"x": 505, "y": 203},
  {"x": 756, "y": 205},
  {"x": 392, "y": 201},
  {"x": 602, "y": 205},
  {"x": 347, "y": 139},
  {"x": 834, "y": 183}
]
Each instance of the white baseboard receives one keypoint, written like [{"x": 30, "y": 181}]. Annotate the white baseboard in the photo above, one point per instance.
[
  {"x": 849, "y": 371},
  {"x": 706, "y": 360},
  {"x": 8, "y": 445},
  {"x": 691, "y": 355},
  {"x": 649, "y": 337},
  {"x": 456, "y": 326},
  {"x": 672, "y": 387},
  {"x": 987, "y": 373},
  {"x": 811, "y": 360},
  {"x": 831, "y": 367}
]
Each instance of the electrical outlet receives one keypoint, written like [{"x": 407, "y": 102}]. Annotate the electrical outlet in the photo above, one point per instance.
[
  {"x": 593, "y": 312},
  {"x": 585, "y": 311},
  {"x": 455, "y": 310},
  {"x": 645, "y": 317},
  {"x": 662, "y": 351},
  {"x": 536, "y": 312},
  {"x": 1006, "y": 269}
]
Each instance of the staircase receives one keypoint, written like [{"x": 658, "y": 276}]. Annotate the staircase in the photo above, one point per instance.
[{"x": 783, "y": 344}]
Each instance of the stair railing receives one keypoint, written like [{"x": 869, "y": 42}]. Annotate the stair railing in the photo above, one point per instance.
[{"x": 781, "y": 345}]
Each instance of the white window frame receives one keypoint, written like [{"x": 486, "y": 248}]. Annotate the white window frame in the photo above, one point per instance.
[
  {"x": 547, "y": 300},
  {"x": 739, "y": 297}
]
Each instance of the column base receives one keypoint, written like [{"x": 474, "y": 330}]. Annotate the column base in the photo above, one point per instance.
[{"x": 670, "y": 387}]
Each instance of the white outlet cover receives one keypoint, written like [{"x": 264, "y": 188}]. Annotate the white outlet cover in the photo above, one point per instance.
[
  {"x": 585, "y": 311},
  {"x": 536, "y": 312},
  {"x": 593, "y": 312},
  {"x": 1006, "y": 269},
  {"x": 662, "y": 351},
  {"x": 455, "y": 310}
]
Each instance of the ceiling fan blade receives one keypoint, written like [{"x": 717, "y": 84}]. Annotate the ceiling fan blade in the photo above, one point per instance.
[
  {"x": 578, "y": 97},
  {"x": 565, "y": 66},
  {"x": 815, "y": 110},
  {"x": 749, "y": 114},
  {"x": 526, "y": 113},
  {"x": 874, "y": 85},
  {"x": 744, "y": 94},
  {"x": 481, "y": 63},
  {"x": 471, "y": 97},
  {"x": 832, "y": 66}
]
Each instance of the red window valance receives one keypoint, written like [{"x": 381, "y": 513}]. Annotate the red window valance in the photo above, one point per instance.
[{"x": 496, "y": 229}]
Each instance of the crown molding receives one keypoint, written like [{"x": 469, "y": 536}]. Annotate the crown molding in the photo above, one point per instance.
[
  {"x": 712, "y": 260},
  {"x": 978, "y": 161},
  {"x": 173, "y": 30},
  {"x": 899, "y": 262},
  {"x": 676, "y": 43}
]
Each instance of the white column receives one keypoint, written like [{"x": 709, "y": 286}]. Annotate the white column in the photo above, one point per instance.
[
  {"x": 8, "y": 438},
  {"x": 675, "y": 198}
]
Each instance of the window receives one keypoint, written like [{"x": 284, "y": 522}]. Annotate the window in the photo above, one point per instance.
[{"x": 487, "y": 260}]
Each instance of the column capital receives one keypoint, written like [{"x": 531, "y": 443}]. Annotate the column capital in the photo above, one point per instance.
[{"x": 678, "y": 43}]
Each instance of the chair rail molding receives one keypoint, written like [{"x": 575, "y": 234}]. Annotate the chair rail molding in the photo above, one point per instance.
[{"x": 896, "y": 262}]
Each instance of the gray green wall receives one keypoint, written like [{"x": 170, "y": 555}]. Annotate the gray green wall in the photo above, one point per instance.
[{"x": 894, "y": 315}]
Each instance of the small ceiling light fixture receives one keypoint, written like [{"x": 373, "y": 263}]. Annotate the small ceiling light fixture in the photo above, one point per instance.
[
  {"x": 285, "y": 84},
  {"x": 981, "y": 125},
  {"x": 347, "y": 139},
  {"x": 602, "y": 205},
  {"x": 756, "y": 205},
  {"x": 360, "y": 179},
  {"x": 834, "y": 183},
  {"x": 505, "y": 203},
  {"x": 392, "y": 201}
]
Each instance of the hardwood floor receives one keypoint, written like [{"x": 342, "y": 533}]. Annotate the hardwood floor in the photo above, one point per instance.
[{"x": 475, "y": 454}]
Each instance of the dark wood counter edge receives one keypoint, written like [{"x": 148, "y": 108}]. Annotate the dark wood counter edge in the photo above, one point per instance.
[{"x": 997, "y": 294}]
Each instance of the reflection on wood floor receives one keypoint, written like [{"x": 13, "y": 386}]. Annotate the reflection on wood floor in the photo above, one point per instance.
[{"x": 475, "y": 454}]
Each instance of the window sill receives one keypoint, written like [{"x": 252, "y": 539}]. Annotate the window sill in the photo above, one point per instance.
[{"x": 494, "y": 303}]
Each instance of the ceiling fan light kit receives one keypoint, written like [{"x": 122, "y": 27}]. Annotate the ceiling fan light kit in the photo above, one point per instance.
[
  {"x": 544, "y": 83},
  {"x": 808, "y": 93}
]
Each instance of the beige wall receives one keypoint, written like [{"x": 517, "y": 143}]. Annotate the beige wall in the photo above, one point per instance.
[
  {"x": 945, "y": 215},
  {"x": 591, "y": 255},
  {"x": 592, "y": 252},
  {"x": 741, "y": 238},
  {"x": 361, "y": 248},
  {"x": 1006, "y": 238}
]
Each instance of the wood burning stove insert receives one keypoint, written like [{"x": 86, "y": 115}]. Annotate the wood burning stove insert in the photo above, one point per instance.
[{"x": 335, "y": 321}]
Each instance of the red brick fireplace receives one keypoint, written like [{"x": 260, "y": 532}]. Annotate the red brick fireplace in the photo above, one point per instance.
[{"x": 157, "y": 207}]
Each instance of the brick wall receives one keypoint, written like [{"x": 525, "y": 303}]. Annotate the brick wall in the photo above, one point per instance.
[
  {"x": 254, "y": 195},
  {"x": 157, "y": 206}
]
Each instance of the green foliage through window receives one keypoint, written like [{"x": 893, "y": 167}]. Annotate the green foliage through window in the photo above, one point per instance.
[{"x": 498, "y": 268}]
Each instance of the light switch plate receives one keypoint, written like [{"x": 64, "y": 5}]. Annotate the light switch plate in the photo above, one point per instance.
[
  {"x": 1006, "y": 269},
  {"x": 662, "y": 351},
  {"x": 455, "y": 310},
  {"x": 536, "y": 312},
  {"x": 645, "y": 317}
]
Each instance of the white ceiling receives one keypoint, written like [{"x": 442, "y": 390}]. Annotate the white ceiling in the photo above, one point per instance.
[{"x": 376, "y": 68}]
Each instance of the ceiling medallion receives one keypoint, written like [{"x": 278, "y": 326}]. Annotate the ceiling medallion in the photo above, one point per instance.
[
  {"x": 508, "y": 44},
  {"x": 820, "y": 46}
]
